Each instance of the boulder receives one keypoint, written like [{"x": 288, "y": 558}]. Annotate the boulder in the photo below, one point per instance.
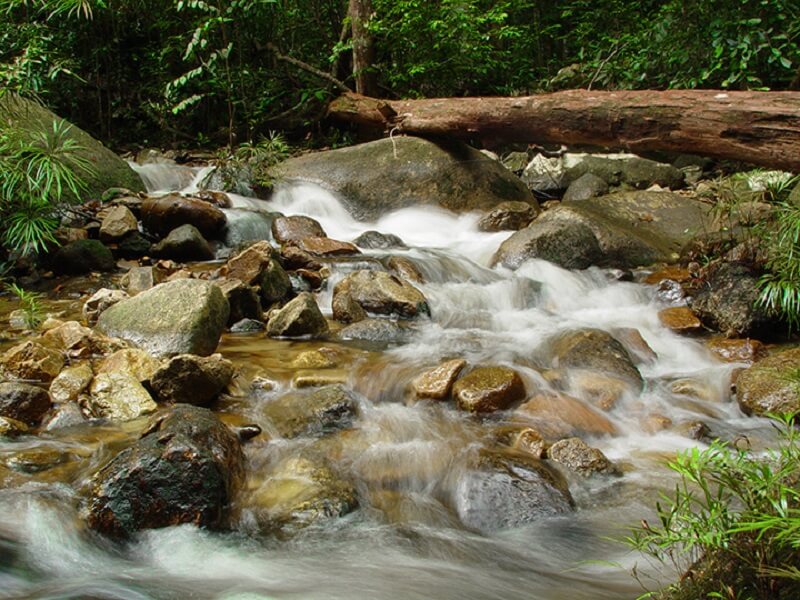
[
  {"x": 680, "y": 319},
  {"x": 242, "y": 299},
  {"x": 770, "y": 385},
  {"x": 100, "y": 301},
  {"x": 184, "y": 244},
  {"x": 248, "y": 265},
  {"x": 11, "y": 428},
  {"x": 186, "y": 468},
  {"x": 437, "y": 383},
  {"x": 327, "y": 409},
  {"x": 508, "y": 491},
  {"x": 81, "y": 256},
  {"x": 118, "y": 396},
  {"x": 487, "y": 389},
  {"x": 558, "y": 415},
  {"x": 405, "y": 269},
  {"x": 274, "y": 283},
  {"x": 295, "y": 228},
  {"x": 585, "y": 187},
  {"x": 63, "y": 416},
  {"x": 23, "y": 402},
  {"x": 192, "y": 379},
  {"x": 162, "y": 214},
  {"x": 118, "y": 222},
  {"x": 294, "y": 258},
  {"x": 323, "y": 246},
  {"x": 32, "y": 361},
  {"x": 134, "y": 245},
  {"x": 386, "y": 175},
  {"x": 300, "y": 317},
  {"x": 247, "y": 326},
  {"x": 186, "y": 316},
  {"x": 544, "y": 174},
  {"x": 726, "y": 300},
  {"x": 108, "y": 169},
  {"x": 382, "y": 293},
  {"x": 616, "y": 169},
  {"x": 508, "y": 216},
  {"x": 77, "y": 341},
  {"x": 737, "y": 350},
  {"x": 133, "y": 361},
  {"x": 69, "y": 384},
  {"x": 380, "y": 331},
  {"x": 595, "y": 350},
  {"x": 139, "y": 279},
  {"x": 577, "y": 456},
  {"x": 570, "y": 245},
  {"x": 375, "y": 240}
]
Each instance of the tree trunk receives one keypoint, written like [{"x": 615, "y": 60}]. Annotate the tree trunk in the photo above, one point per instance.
[
  {"x": 360, "y": 12},
  {"x": 762, "y": 128}
]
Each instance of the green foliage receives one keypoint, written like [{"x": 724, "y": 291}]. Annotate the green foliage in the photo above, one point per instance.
[
  {"x": 252, "y": 161},
  {"x": 734, "y": 517},
  {"x": 29, "y": 304}
]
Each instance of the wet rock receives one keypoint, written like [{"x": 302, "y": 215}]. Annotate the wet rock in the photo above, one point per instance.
[
  {"x": 531, "y": 442},
  {"x": 603, "y": 391},
  {"x": 133, "y": 361},
  {"x": 296, "y": 228},
  {"x": 23, "y": 402},
  {"x": 727, "y": 301},
  {"x": 585, "y": 187},
  {"x": 405, "y": 269},
  {"x": 81, "y": 256},
  {"x": 118, "y": 397},
  {"x": 322, "y": 358},
  {"x": 615, "y": 169},
  {"x": 382, "y": 293},
  {"x": 248, "y": 265},
  {"x": 596, "y": 350},
  {"x": 693, "y": 388},
  {"x": 139, "y": 279},
  {"x": 737, "y": 350},
  {"x": 69, "y": 384},
  {"x": 375, "y": 240},
  {"x": 509, "y": 490},
  {"x": 100, "y": 301},
  {"x": 78, "y": 341},
  {"x": 571, "y": 245},
  {"x": 64, "y": 416},
  {"x": 323, "y": 246},
  {"x": 508, "y": 216},
  {"x": 184, "y": 244},
  {"x": 192, "y": 379},
  {"x": 375, "y": 330},
  {"x": 770, "y": 385},
  {"x": 299, "y": 492},
  {"x": 346, "y": 309},
  {"x": 11, "y": 428},
  {"x": 487, "y": 389},
  {"x": 322, "y": 411},
  {"x": 579, "y": 457},
  {"x": 37, "y": 459},
  {"x": 186, "y": 316},
  {"x": 637, "y": 347},
  {"x": 220, "y": 199},
  {"x": 186, "y": 468},
  {"x": 301, "y": 317},
  {"x": 559, "y": 415},
  {"x": 118, "y": 222},
  {"x": 162, "y": 214},
  {"x": 134, "y": 245},
  {"x": 31, "y": 361},
  {"x": 274, "y": 283},
  {"x": 437, "y": 383},
  {"x": 320, "y": 378},
  {"x": 242, "y": 299},
  {"x": 294, "y": 258},
  {"x": 405, "y": 171},
  {"x": 247, "y": 326},
  {"x": 671, "y": 273},
  {"x": 544, "y": 174},
  {"x": 680, "y": 319},
  {"x": 655, "y": 422}
]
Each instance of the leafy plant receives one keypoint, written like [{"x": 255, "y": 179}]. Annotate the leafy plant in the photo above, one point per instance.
[
  {"x": 29, "y": 304},
  {"x": 733, "y": 521}
]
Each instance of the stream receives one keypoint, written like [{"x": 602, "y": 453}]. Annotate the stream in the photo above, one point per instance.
[{"x": 404, "y": 540}]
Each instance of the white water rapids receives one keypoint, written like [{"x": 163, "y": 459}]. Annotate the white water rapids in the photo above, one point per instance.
[{"x": 485, "y": 315}]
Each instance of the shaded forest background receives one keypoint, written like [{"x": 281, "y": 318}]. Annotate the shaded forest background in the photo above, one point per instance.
[{"x": 217, "y": 71}]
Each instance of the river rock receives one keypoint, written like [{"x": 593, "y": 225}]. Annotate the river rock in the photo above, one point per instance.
[
  {"x": 375, "y": 240},
  {"x": 382, "y": 293},
  {"x": 69, "y": 384},
  {"x": 616, "y": 169},
  {"x": 300, "y": 317},
  {"x": 118, "y": 397},
  {"x": 184, "y": 244},
  {"x": 11, "y": 428},
  {"x": 585, "y": 187},
  {"x": 737, "y": 350},
  {"x": 508, "y": 491},
  {"x": 249, "y": 265},
  {"x": 133, "y": 361},
  {"x": 487, "y": 389},
  {"x": 81, "y": 256},
  {"x": 186, "y": 316},
  {"x": 295, "y": 228},
  {"x": 139, "y": 279},
  {"x": 345, "y": 308},
  {"x": 558, "y": 415},
  {"x": 323, "y": 246},
  {"x": 570, "y": 245},
  {"x": 108, "y": 169},
  {"x": 680, "y": 319},
  {"x": 186, "y": 468},
  {"x": 595, "y": 350},
  {"x": 322, "y": 411},
  {"x": 118, "y": 222},
  {"x": 381, "y": 331},
  {"x": 100, "y": 301},
  {"x": 134, "y": 245},
  {"x": 508, "y": 216},
  {"x": 770, "y": 385},
  {"x": 294, "y": 258},
  {"x": 726, "y": 301},
  {"x": 162, "y": 214},
  {"x": 243, "y": 300},
  {"x": 405, "y": 269},
  {"x": 577, "y": 456},
  {"x": 247, "y": 326},
  {"x": 78, "y": 341},
  {"x": 32, "y": 361},
  {"x": 192, "y": 379},
  {"x": 544, "y": 174},
  {"x": 383, "y": 176},
  {"x": 437, "y": 383},
  {"x": 300, "y": 491},
  {"x": 23, "y": 402}
]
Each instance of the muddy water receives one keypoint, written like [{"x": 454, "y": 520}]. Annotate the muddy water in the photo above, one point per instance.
[{"x": 404, "y": 541}]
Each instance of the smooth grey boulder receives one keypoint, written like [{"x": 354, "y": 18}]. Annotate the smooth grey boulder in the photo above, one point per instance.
[
  {"x": 185, "y": 316},
  {"x": 585, "y": 187},
  {"x": 569, "y": 244},
  {"x": 382, "y": 176}
]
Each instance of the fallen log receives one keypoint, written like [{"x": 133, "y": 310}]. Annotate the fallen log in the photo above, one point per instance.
[{"x": 762, "y": 128}]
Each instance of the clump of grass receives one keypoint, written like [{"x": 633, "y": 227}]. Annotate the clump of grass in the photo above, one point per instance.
[{"x": 30, "y": 305}]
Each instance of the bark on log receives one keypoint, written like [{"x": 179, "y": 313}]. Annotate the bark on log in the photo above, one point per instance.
[{"x": 762, "y": 128}]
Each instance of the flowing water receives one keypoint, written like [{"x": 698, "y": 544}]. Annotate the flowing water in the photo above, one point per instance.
[{"x": 404, "y": 540}]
